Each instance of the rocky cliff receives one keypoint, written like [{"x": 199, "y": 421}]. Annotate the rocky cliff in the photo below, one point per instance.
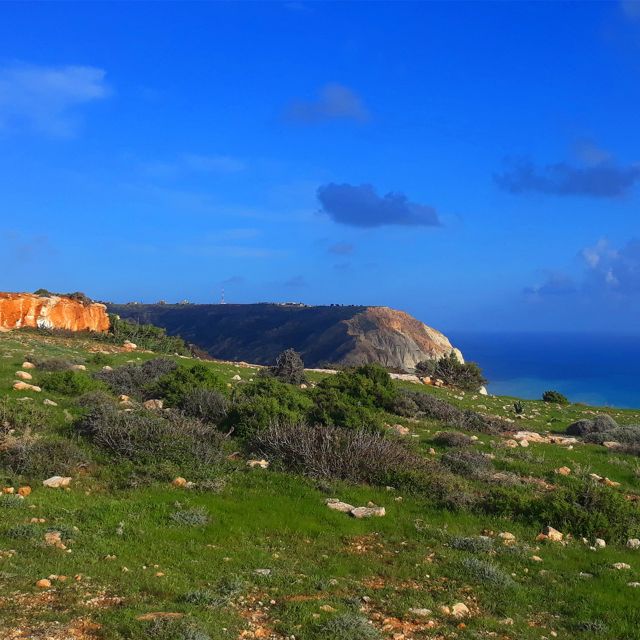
[
  {"x": 51, "y": 312},
  {"x": 323, "y": 335}
]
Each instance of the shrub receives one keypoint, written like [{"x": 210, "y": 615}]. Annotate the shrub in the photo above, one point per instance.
[
  {"x": 181, "y": 381},
  {"x": 404, "y": 405},
  {"x": 149, "y": 438},
  {"x": 265, "y": 401},
  {"x": 368, "y": 385},
  {"x": 146, "y": 336},
  {"x": 289, "y": 367},
  {"x": 171, "y": 629},
  {"x": 21, "y": 417},
  {"x": 349, "y": 626},
  {"x": 196, "y": 517},
  {"x": 426, "y": 368},
  {"x": 554, "y": 396},
  {"x": 628, "y": 435},
  {"x": 23, "y": 532},
  {"x": 332, "y": 452},
  {"x": 96, "y": 398},
  {"x": 467, "y": 376},
  {"x": 37, "y": 458},
  {"x": 136, "y": 380},
  {"x": 59, "y": 363},
  {"x": 206, "y": 404},
  {"x": 452, "y": 439},
  {"x": 487, "y": 574},
  {"x": 223, "y": 592},
  {"x": 101, "y": 359},
  {"x": 11, "y": 501},
  {"x": 69, "y": 383},
  {"x": 331, "y": 407},
  {"x": 470, "y": 464},
  {"x": 474, "y": 544},
  {"x": 429, "y": 406}
]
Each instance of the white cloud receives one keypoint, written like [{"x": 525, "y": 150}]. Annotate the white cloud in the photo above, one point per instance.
[{"x": 46, "y": 99}]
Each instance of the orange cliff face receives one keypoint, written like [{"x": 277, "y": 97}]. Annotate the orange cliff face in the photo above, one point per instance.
[{"x": 50, "y": 312}]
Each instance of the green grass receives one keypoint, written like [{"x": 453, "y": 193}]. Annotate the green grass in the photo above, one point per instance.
[{"x": 325, "y": 568}]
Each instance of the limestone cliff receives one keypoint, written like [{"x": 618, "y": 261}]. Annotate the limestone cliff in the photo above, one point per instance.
[
  {"x": 19, "y": 310},
  {"x": 346, "y": 335}
]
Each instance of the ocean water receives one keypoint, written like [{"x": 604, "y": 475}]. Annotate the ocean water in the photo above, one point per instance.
[{"x": 595, "y": 369}]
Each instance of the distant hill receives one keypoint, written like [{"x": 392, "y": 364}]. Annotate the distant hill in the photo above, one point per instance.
[{"x": 257, "y": 333}]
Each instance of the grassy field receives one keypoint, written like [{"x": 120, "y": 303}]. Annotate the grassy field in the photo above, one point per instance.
[{"x": 256, "y": 553}]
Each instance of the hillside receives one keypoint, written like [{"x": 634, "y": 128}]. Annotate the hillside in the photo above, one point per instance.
[
  {"x": 324, "y": 335},
  {"x": 220, "y": 527}
]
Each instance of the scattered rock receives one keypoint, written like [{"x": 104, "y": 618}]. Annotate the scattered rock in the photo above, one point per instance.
[
  {"x": 49, "y": 403},
  {"x": 44, "y": 583},
  {"x": 563, "y": 471},
  {"x": 368, "y": 512},
  {"x": 421, "y": 613},
  {"x": 129, "y": 346},
  {"x": 633, "y": 543},
  {"x": 508, "y": 538},
  {"x": 337, "y": 505},
  {"x": 263, "y": 464},
  {"x": 549, "y": 533},
  {"x": 153, "y": 405},
  {"x": 78, "y": 367},
  {"x": 621, "y": 565},
  {"x": 28, "y": 365},
  {"x": 57, "y": 482},
  {"x": 25, "y": 386},
  {"x": 400, "y": 429},
  {"x": 179, "y": 482},
  {"x": 23, "y": 375},
  {"x": 633, "y": 584},
  {"x": 107, "y": 368},
  {"x": 24, "y": 491},
  {"x": 54, "y": 539},
  {"x": 611, "y": 444},
  {"x": 237, "y": 378},
  {"x": 600, "y": 543},
  {"x": 156, "y": 615},
  {"x": 262, "y": 572},
  {"x": 536, "y": 558},
  {"x": 458, "y": 610}
]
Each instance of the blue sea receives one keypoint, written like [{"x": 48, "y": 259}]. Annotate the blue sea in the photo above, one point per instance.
[{"x": 595, "y": 369}]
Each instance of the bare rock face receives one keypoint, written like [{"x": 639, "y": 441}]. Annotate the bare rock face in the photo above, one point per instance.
[
  {"x": 19, "y": 310},
  {"x": 323, "y": 335}
]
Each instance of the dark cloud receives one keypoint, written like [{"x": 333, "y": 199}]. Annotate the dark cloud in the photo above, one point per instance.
[
  {"x": 361, "y": 206},
  {"x": 334, "y": 102},
  {"x": 341, "y": 249},
  {"x": 562, "y": 179}
]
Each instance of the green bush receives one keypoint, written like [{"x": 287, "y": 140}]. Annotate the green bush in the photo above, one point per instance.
[
  {"x": 263, "y": 402},
  {"x": 145, "y": 336},
  {"x": 468, "y": 463},
  {"x": 554, "y": 396},
  {"x": 207, "y": 405},
  {"x": 101, "y": 359},
  {"x": 196, "y": 517},
  {"x": 332, "y": 407},
  {"x": 467, "y": 376},
  {"x": 21, "y": 417},
  {"x": 59, "y": 363},
  {"x": 473, "y": 544},
  {"x": 176, "y": 385},
  {"x": 487, "y": 574},
  {"x": 348, "y": 626},
  {"x": 69, "y": 383},
  {"x": 452, "y": 439}
]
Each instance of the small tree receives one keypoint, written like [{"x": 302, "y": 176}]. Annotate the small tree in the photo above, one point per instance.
[
  {"x": 555, "y": 396},
  {"x": 426, "y": 368},
  {"x": 289, "y": 367},
  {"x": 467, "y": 376}
]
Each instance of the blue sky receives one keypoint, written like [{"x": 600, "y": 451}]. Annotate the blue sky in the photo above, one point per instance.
[{"x": 476, "y": 165}]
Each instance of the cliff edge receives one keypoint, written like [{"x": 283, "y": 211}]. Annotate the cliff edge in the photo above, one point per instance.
[
  {"x": 324, "y": 335},
  {"x": 19, "y": 310}
]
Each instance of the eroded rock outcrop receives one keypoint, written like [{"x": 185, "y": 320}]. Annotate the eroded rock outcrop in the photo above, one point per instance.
[{"x": 19, "y": 310}]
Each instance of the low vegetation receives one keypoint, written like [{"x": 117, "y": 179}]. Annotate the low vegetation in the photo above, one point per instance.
[{"x": 197, "y": 502}]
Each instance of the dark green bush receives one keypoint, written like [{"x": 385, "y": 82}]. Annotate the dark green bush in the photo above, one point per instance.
[
  {"x": 289, "y": 367},
  {"x": 334, "y": 408},
  {"x": 40, "y": 458},
  {"x": 145, "y": 336},
  {"x": 554, "y": 396},
  {"x": 136, "y": 380},
  {"x": 263, "y": 402},
  {"x": 69, "y": 383},
  {"x": 149, "y": 438},
  {"x": 467, "y": 376},
  {"x": 176, "y": 385},
  {"x": 101, "y": 359}
]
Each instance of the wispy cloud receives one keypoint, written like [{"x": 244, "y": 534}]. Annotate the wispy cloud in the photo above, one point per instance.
[
  {"x": 602, "y": 179},
  {"x": 361, "y": 206},
  {"x": 333, "y": 102},
  {"x": 46, "y": 99},
  {"x": 341, "y": 249}
]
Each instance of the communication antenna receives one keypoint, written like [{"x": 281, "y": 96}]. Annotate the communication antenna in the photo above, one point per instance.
[{"x": 222, "y": 300}]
